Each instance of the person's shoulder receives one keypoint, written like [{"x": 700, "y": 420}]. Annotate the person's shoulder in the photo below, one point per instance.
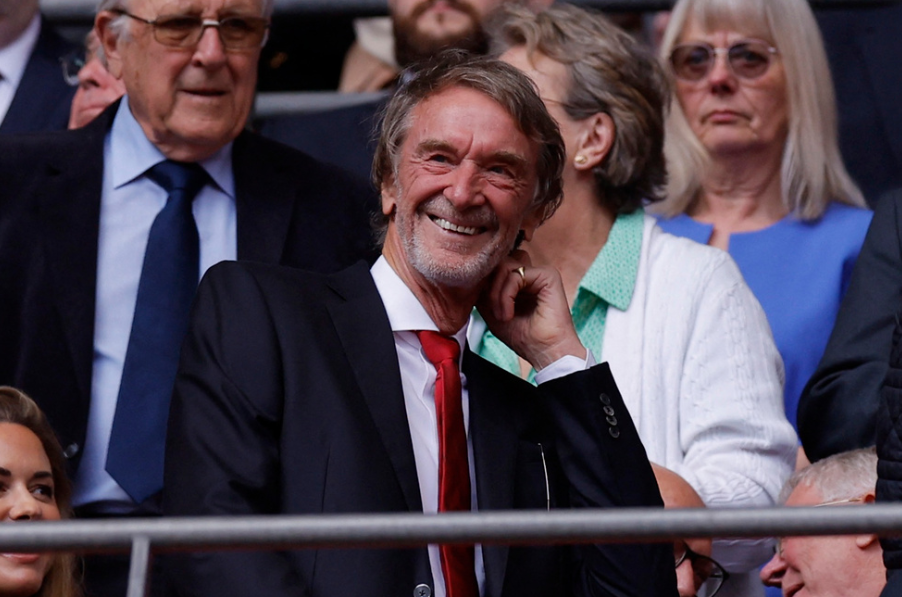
[
  {"x": 271, "y": 273},
  {"x": 63, "y": 146},
  {"x": 845, "y": 222},
  {"x": 685, "y": 274},
  {"x": 274, "y": 155},
  {"x": 679, "y": 254},
  {"x": 278, "y": 283},
  {"x": 842, "y": 213}
]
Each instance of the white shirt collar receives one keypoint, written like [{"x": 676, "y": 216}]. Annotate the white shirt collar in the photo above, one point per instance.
[
  {"x": 14, "y": 57},
  {"x": 405, "y": 312},
  {"x": 133, "y": 154}
]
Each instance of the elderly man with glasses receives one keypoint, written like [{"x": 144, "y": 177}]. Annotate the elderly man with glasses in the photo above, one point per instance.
[
  {"x": 830, "y": 566},
  {"x": 106, "y": 230}
]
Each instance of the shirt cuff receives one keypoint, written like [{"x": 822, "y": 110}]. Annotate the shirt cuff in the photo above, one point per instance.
[{"x": 565, "y": 366}]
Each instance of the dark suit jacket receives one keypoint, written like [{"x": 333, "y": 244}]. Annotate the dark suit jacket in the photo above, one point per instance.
[
  {"x": 289, "y": 400},
  {"x": 864, "y": 46},
  {"x": 290, "y": 210},
  {"x": 893, "y": 586},
  {"x": 838, "y": 408},
  {"x": 889, "y": 446},
  {"x": 43, "y": 98}
]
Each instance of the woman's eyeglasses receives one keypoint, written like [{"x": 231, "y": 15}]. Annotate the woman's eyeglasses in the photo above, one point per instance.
[
  {"x": 748, "y": 59},
  {"x": 709, "y": 575}
]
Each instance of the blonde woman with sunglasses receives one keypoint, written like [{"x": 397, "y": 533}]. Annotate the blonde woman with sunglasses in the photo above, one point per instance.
[{"x": 755, "y": 167}]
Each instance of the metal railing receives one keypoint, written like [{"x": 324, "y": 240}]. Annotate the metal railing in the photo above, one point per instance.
[
  {"x": 144, "y": 536},
  {"x": 84, "y": 9}
]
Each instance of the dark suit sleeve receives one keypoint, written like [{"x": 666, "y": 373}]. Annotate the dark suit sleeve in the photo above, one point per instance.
[
  {"x": 838, "y": 407},
  {"x": 606, "y": 466},
  {"x": 222, "y": 446}
]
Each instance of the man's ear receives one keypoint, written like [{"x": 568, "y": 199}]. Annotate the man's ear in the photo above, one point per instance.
[
  {"x": 865, "y": 541},
  {"x": 595, "y": 141},
  {"x": 529, "y": 225},
  {"x": 109, "y": 41},
  {"x": 389, "y": 194}
]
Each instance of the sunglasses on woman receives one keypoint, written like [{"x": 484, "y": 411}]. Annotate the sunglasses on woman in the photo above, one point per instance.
[{"x": 747, "y": 59}]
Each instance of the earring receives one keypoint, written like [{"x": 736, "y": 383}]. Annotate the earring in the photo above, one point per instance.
[{"x": 580, "y": 159}]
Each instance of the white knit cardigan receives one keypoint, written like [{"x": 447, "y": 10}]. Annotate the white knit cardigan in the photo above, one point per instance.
[{"x": 696, "y": 363}]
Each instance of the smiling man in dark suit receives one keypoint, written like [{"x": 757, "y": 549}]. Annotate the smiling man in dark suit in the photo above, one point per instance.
[
  {"x": 34, "y": 96},
  {"x": 355, "y": 392},
  {"x": 105, "y": 231}
]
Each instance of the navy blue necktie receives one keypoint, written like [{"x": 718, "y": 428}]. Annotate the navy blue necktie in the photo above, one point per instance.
[{"x": 167, "y": 286}]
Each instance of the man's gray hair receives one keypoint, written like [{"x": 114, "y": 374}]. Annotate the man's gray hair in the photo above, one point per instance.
[
  {"x": 499, "y": 81},
  {"x": 841, "y": 476}
]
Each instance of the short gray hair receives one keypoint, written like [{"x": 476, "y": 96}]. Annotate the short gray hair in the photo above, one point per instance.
[
  {"x": 499, "y": 81},
  {"x": 841, "y": 476},
  {"x": 611, "y": 73},
  {"x": 812, "y": 173}
]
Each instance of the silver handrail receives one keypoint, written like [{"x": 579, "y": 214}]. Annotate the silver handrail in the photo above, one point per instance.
[{"x": 143, "y": 536}]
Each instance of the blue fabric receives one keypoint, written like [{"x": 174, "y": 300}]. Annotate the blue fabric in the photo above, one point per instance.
[
  {"x": 799, "y": 271},
  {"x": 168, "y": 281}
]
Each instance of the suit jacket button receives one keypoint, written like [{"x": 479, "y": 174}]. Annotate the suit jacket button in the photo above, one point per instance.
[
  {"x": 71, "y": 450},
  {"x": 615, "y": 433},
  {"x": 612, "y": 421},
  {"x": 605, "y": 399},
  {"x": 608, "y": 411},
  {"x": 422, "y": 591}
]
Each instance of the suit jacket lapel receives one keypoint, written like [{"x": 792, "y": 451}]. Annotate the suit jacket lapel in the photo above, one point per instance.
[
  {"x": 43, "y": 98},
  {"x": 262, "y": 183},
  {"x": 68, "y": 195},
  {"x": 495, "y": 445},
  {"x": 366, "y": 337}
]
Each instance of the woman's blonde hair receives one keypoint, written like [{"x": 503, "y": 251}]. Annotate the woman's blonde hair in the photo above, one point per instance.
[
  {"x": 812, "y": 172},
  {"x": 16, "y": 407}
]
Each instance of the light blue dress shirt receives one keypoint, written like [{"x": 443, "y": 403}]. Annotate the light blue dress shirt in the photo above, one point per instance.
[{"x": 129, "y": 203}]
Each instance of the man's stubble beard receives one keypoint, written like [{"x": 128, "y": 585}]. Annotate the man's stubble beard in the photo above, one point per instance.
[
  {"x": 412, "y": 46},
  {"x": 470, "y": 273}
]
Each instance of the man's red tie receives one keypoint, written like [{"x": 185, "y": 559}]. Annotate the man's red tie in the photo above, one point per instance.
[{"x": 453, "y": 470}]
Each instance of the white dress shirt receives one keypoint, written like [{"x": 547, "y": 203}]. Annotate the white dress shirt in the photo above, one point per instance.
[
  {"x": 406, "y": 315},
  {"x": 13, "y": 60},
  {"x": 129, "y": 203}
]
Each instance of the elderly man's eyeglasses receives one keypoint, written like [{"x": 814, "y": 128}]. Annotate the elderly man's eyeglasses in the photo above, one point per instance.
[
  {"x": 748, "y": 59},
  {"x": 185, "y": 31},
  {"x": 709, "y": 575},
  {"x": 852, "y": 500}
]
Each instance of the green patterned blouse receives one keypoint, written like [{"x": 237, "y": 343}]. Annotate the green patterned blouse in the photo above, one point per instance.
[{"x": 609, "y": 282}]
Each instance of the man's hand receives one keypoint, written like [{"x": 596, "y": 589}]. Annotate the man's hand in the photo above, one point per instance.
[{"x": 525, "y": 307}]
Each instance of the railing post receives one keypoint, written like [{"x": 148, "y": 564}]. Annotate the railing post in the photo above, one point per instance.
[{"x": 139, "y": 567}]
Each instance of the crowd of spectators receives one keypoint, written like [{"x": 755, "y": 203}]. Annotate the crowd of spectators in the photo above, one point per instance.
[{"x": 468, "y": 291}]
